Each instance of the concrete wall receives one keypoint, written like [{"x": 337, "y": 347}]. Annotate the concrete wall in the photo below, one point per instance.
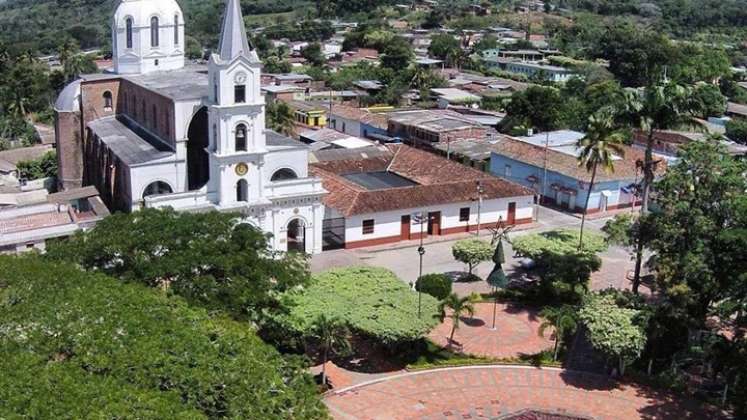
[{"x": 387, "y": 225}]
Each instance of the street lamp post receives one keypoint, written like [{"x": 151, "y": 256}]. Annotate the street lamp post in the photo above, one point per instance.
[{"x": 421, "y": 253}]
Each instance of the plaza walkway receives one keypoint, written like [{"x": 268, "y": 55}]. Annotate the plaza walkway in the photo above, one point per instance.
[{"x": 495, "y": 391}]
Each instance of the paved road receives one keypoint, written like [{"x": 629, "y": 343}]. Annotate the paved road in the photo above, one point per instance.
[
  {"x": 402, "y": 259},
  {"x": 493, "y": 391}
]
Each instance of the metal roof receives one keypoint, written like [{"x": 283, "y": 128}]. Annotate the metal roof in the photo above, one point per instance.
[{"x": 128, "y": 142}]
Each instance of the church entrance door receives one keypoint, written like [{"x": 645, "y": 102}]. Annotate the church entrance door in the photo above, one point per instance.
[{"x": 296, "y": 236}]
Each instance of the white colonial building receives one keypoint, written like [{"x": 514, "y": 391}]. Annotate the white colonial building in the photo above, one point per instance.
[{"x": 158, "y": 133}]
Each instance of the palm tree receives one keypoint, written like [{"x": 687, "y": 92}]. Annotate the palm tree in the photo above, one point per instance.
[
  {"x": 563, "y": 320},
  {"x": 332, "y": 336},
  {"x": 280, "y": 118},
  {"x": 602, "y": 139},
  {"x": 658, "y": 107},
  {"x": 458, "y": 306}
]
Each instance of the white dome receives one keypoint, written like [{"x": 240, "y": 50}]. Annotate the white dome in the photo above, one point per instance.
[
  {"x": 147, "y": 35},
  {"x": 142, "y": 10}
]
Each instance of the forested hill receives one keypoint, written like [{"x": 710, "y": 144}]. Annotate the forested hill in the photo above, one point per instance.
[{"x": 40, "y": 25}]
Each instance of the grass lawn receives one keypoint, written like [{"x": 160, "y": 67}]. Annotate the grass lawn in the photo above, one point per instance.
[{"x": 432, "y": 356}]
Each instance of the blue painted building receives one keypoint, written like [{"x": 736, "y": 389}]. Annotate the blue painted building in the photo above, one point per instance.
[{"x": 522, "y": 160}]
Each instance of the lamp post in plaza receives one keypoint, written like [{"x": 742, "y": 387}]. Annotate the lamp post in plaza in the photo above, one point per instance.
[{"x": 419, "y": 217}]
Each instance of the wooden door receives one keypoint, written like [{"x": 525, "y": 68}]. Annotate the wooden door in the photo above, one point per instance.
[
  {"x": 511, "y": 214},
  {"x": 404, "y": 230},
  {"x": 434, "y": 223}
]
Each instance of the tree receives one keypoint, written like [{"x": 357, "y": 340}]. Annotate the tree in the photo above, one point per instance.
[
  {"x": 537, "y": 107},
  {"x": 698, "y": 232},
  {"x": 562, "y": 319},
  {"x": 211, "y": 259},
  {"x": 457, "y": 307},
  {"x": 275, "y": 64},
  {"x": 397, "y": 55},
  {"x": 436, "y": 285},
  {"x": 193, "y": 49},
  {"x": 655, "y": 108},
  {"x": 472, "y": 252},
  {"x": 629, "y": 232},
  {"x": 612, "y": 330},
  {"x": 356, "y": 294},
  {"x": 332, "y": 337},
  {"x": 598, "y": 146},
  {"x": 708, "y": 101},
  {"x": 736, "y": 130},
  {"x": 280, "y": 117},
  {"x": 487, "y": 42},
  {"x": 313, "y": 54},
  {"x": 443, "y": 45},
  {"x": 135, "y": 351}
]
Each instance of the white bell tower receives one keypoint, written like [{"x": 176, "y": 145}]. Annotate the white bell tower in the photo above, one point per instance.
[
  {"x": 236, "y": 115},
  {"x": 147, "y": 35}
]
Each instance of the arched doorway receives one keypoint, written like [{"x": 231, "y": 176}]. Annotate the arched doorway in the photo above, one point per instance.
[
  {"x": 283, "y": 175},
  {"x": 296, "y": 236},
  {"x": 198, "y": 139},
  {"x": 157, "y": 188}
]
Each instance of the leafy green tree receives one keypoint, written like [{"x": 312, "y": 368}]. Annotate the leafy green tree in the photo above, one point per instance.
[
  {"x": 135, "y": 351},
  {"x": 632, "y": 233},
  {"x": 538, "y": 107},
  {"x": 563, "y": 320},
  {"x": 698, "y": 231},
  {"x": 193, "y": 49},
  {"x": 313, "y": 54},
  {"x": 275, "y": 64},
  {"x": 397, "y": 55},
  {"x": 736, "y": 130},
  {"x": 612, "y": 330},
  {"x": 208, "y": 258},
  {"x": 472, "y": 252},
  {"x": 457, "y": 307},
  {"x": 708, "y": 101},
  {"x": 355, "y": 294},
  {"x": 436, "y": 285},
  {"x": 332, "y": 337},
  {"x": 43, "y": 167},
  {"x": 602, "y": 141},
  {"x": 280, "y": 117},
  {"x": 698, "y": 63},
  {"x": 487, "y": 42},
  {"x": 443, "y": 45}
]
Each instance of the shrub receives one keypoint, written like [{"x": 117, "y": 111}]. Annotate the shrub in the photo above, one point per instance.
[
  {"x": 373, "y": 301},
  {"x": 436, "y": 285},
  {"x": 82, "y": 345},
  {"x": 472, "y": 252},
  {"x": 736, "y": 130},
  {"x": 43, "y": 167}
]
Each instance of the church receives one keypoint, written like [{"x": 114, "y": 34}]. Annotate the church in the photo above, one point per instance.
[{"x": 158, "y": 132}]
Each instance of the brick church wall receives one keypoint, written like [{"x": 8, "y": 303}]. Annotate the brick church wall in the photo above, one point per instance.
[{"x": 69, "y": 150}]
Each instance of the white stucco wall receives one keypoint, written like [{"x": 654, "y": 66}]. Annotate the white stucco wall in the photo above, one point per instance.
[{"x": 388, "y": 224}]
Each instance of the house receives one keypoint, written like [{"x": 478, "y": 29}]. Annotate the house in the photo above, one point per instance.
[
  {"x": 358, "y": 122},
  {"x": 522, "y": 160},
  {"x": 309, "y": 114},
  {"x": 547, "y": 72},
  {"x": 736, "y": 110},
  {"x": 425, "y": 128},
  {"x": 284, "y": 93},
  {"x": 451, "y": 96},
  {"x": 327, "y": 138},
  {"x": 302, "y": 80},
  {"x": 27, "y": 228},
  {"x": 396, "y": 193}
]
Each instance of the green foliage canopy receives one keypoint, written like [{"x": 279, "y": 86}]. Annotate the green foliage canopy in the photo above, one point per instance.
[
  {"x": 436, "y": 285},
  {"x": 43, "y": 167},
  {"x": 81, "y": 345},
  {"x": 472, "y": 252},
  {"x": 373, "y": 301}
]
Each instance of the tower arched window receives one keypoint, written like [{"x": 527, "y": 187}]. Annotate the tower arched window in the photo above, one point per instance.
[
  {"x": 107, "y": 101},
  {"x": 157, "y": 188},
  {"x": 154, "y": 31},
  {"x": 283, "y": 174},
  {"x": 128, "y": 32},
  {"x": 242, "y": 190},
  {"x": 176, "y": 29},
  {"x": 241, "y": 137}
]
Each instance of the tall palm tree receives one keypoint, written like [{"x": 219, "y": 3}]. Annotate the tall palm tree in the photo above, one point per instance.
[
  {"x": 661, "y": 106},
  {"x": 601, "y": 141},
  {"x": 563, "y": 320},
  {"x": 458, "y": 306},
  {"x": 332, "y": 336}
]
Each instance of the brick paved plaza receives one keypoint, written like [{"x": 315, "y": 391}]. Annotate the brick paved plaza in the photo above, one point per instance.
[
  {"x": 515, "y": 333},
  {"x": 494, "y": 391}
]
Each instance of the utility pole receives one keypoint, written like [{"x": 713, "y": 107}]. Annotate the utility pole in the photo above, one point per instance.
[
  {"x": 421, "y": 253},
  {"x": 479, "y": 205}
]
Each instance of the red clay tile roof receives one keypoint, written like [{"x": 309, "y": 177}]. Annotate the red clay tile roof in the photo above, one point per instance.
[
  {"x": 362, "y": 115},
  {"x": 566, "y": 164},
  {"x": 439, "y": 181}
]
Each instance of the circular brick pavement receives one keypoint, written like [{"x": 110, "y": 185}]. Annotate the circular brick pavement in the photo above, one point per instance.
[
  {"x": 494, "y": 391},
  {"x": 515, "y": 333}
]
